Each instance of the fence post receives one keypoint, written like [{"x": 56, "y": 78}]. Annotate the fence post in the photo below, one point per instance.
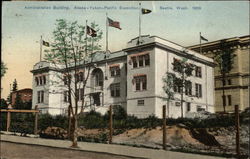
[
  {"x": 110, "y": 124},
  {"x": 36, "y": 120},
  {"x": 164, "y": 127},
  {"x": 237, "y": 123},
  {"x": 8, "y": 121}
]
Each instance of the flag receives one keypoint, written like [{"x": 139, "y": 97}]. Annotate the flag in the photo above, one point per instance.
[
  {"x": 91, "y": 31},
  {"x": 202, "y": 38},
  {"x": 114, "y": 24},
  {"x": 145, "y": 11},
  {"x": 45, "y": 43}
]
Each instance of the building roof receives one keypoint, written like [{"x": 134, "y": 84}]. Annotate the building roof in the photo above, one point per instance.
[
  {"x": 23, "y": 90},
  {"x": 242, "y": 40}
]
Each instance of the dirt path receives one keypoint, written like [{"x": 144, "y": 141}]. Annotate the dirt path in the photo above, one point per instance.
[{"x": 21, "y": 151}]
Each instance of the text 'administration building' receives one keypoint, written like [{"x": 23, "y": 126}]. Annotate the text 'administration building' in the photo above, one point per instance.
[{"x": 132, "y": 78}]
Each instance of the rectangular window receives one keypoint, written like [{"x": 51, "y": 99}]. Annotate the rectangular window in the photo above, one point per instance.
[
  {"x": 114, "y": 71},
  {"x": 147, "y": 60},
  {"x": 140, "y": 83},
  {"x": 65, "y": 96},
  {"x": 199, "y": 108},
  {"x": 229, "y": 98},
  {"x": 198, "y": 71},
  {"x": 38, "y": 97},
  {"x": 41, "y": 80},
  {"x": 140, "y": 102},
  {"x": 188, "y": 87},
  {"x": 229, "y": 82},
  {"x": 140, "y": 61},
  {"x": 115, "y": 90},
  {"x": 224, "y": 100},
  {"x": 188, "y": 107},
  {"x": 44, "y": 79},
  {"x": 81, "y": 76},
  {"x": 134, "y": 60},
  {"x": 42, "y": 96},
  {"x": 37, "y": 81},
  {"x": 198, "y": 90}
]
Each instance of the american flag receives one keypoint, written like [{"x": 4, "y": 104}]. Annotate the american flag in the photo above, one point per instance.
[{"x": 114, "y": 24}]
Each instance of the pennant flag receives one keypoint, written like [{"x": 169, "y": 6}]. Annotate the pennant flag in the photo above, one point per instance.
[
  {"x": 45, "y": 43},
  {"x": 114, "y": 24},
  {"x": 91, "y": 31},
  {"x": 145, "y": 11},
  {"x": 202, "y": 38}
]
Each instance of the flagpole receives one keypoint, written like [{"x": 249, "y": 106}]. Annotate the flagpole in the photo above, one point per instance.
[
  {"x": 41, "y": 45},
  {"x": 86, "y": 39},
  {"x": 200, "y": 42},
  {"x": 139, "y": 38},
  {"x": 107, "y": 33},
  {"x": 106, "y": 46}
]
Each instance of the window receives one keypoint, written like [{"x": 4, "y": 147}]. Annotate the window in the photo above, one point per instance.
[
  {"x": 134, "y": 60},
  {"x": 44, "y": 80},
  {"x": 188, "y": 107},
  {"x": 37, "y": 81},
  {"x": 229, "y": 98},
  {"x": 198, "y": 71},
  {"x": 140, "y": 102},
  {"x": 66, "y": 79},
  {"x": 198, "y": 90},
  {"x": 40, "y": 80},
  {"x": 188, "y": 88},
  {"x": 178, "y": 85},
  {"x": 140, "y": 82},
  {"x": 224, "y": 100},
  {"x": 114, "y": 71},
  {"x": 141, "y": 60},
  {"x": 66, "y": 96},
  {"x": 40, "y": 96},
  {"x": 199, "y": 108},
  {"x": 98, "y": 79},
  {"x": 177, "y": 66},
  {"x": 81, "y": 76},
  {"x": 147, "y": 60},
  {"x": 115, "y": 90},
  {"x": 229, "y": 82}
]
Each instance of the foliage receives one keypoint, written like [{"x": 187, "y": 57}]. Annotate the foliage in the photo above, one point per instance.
[
  {"x": 71, "y": 47},
  {"x": 168, "y": 81},
  {"x": 4, "y": 104},
  {"x": 14, "y": 85},
  {"x": 3, "y": 69},
  {"x": 225, "y": 57}
]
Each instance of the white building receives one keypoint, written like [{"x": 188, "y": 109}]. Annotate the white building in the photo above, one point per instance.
[{"x": 131, "y": 78}]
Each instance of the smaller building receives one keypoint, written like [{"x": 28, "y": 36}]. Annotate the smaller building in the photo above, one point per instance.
[{"x": 25, "y": 95}]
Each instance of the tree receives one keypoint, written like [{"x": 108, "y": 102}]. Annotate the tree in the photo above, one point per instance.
[
  {"x": 71, "y": 47},
  {"x": 18, "y": 102},
  {"x": 4, "y": 104},
  {"x": 224, "y": 59},
  {"x": 168, "y": 81},
  {"x": 3, "y": 69},
  {"x": 14, "y": 86},
  {"x": 178, "y": 83}
]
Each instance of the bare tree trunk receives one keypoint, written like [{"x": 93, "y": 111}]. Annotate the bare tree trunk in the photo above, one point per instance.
[
  {"x": 74, "y": 130},
  {"x": 223, "y": 92}
]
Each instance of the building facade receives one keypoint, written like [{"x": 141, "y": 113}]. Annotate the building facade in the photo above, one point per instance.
[
  {"x": 25, "y": 95},
  {"x": 131, "y": 78},
  {"x": 236, "y": 84}
]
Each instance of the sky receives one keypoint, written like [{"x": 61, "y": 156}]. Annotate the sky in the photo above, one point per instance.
[{"x": 23, "y": 23}]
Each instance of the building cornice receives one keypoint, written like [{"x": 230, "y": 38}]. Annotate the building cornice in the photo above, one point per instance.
[
  {"x": 233, "y": 75},
  {"x": 231, "y": 87},
  {"x": 173, "y": 50}
]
